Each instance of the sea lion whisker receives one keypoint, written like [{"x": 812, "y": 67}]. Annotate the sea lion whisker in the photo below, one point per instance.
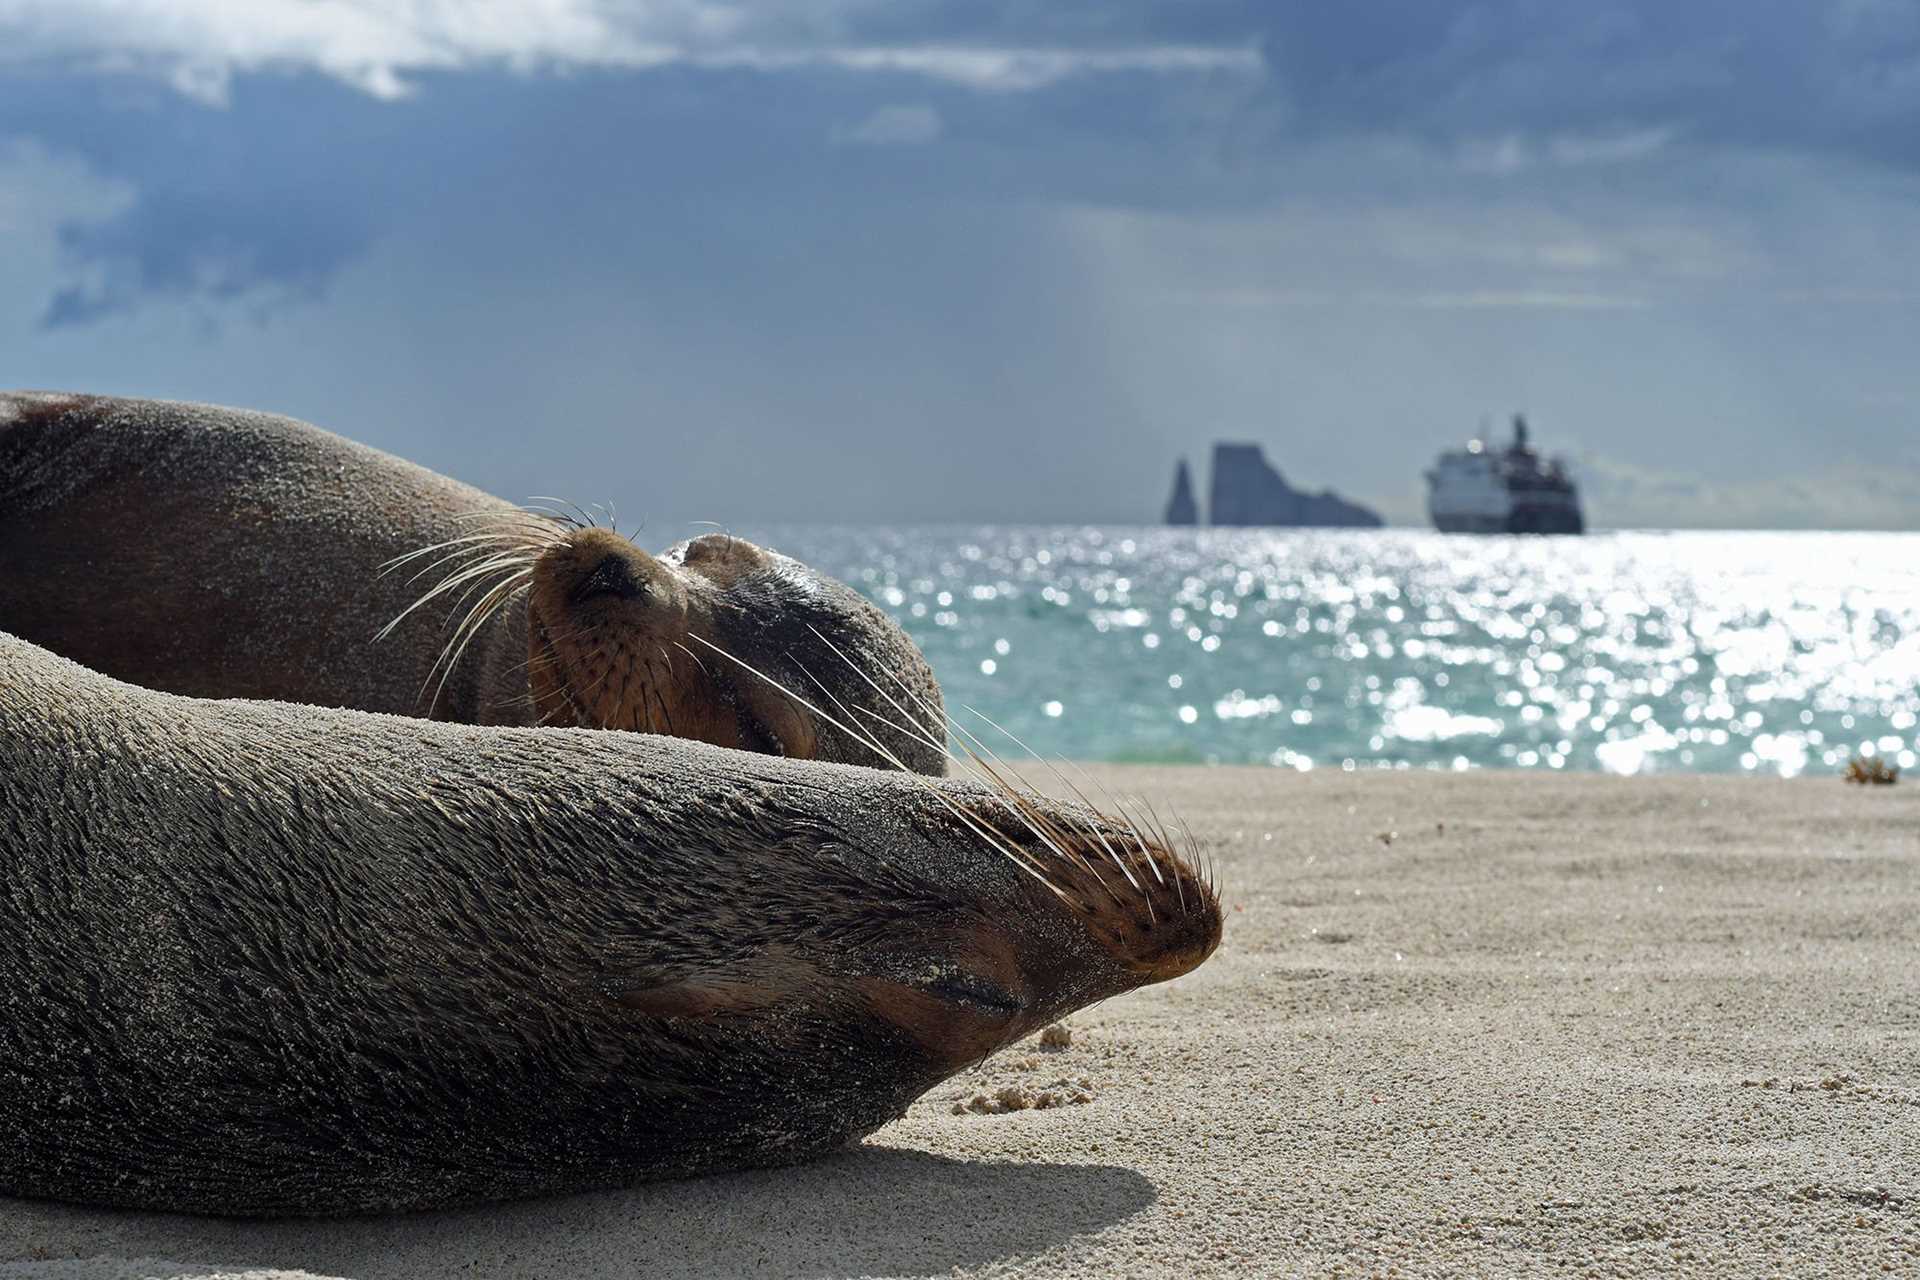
[
  {"x": 715, "y": 524},
  {"x": 870, "y": 739},
  {"x": 1022, "y": 807},
  {"x": 659, "y": 687},
  {"x": 561, "y": 506},
  {"x": 1194, "y": 854},
  {"x": 555, "y": 696},
  {"x": 405, "y": 557},
  {"x": 696, "y": 659},
  {"x": 475, "y": 562},
  {"x": 1010, "y": 798},
  {"x": 1049, "y": 831},
  {"x": 453, "y": 582},
  {"x": 1016, "y": 802},
  {"x": 1163, "y": 837},
  {"x": 476, "y": 617},
  {"x": 1061, "y": 841},
  {"x": 525, "y": 531},
  {"x": 555, "y": 507},
  {"x": 1153, "y": 864},
  {"x": 1050, "y": 834},
  {"x": 851, "y": 723},
  {"x": 858, "y": 670},
  {"x": 567, "y": 704},
  {"x": 1099, "y": 835},
  {"x": 593, "y": 688},
  {"x": 666, "y": 713},
  {"x": 469, "y": 555},
  {"x": 492, "y": 594},
  {"x": 973, "y": 760},
  {"x": 1018, "y": 805},
  {"x": 1139, "y": 839},
  {"x": 922, "y": 781},
  {"x": 548, "y": 656},
  {"x": 464, "y": 556},
  {"x": 606, "y": 674},
  {"x": 1133, "y": 829},
  {"x": 905, "y": 730},
  {"x": 538, "y": 662},
  {"x": 474, "y": 577},
  {"x": 538, "y": 530},
  {"x": 518, "y": 513}
]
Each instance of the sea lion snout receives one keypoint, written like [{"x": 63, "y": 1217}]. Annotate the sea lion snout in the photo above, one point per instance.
[
  {"x": 599, "y": 565},
  {"x": 1152, "y": 912},
  {"x": 620, "y": 639},
  {"x": 614, "y": 576},
  {"x": 1147, "y": 906},
  {"x": 1088, "y": 906}
]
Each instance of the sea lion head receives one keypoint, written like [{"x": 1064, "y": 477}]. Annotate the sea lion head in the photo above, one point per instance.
[
  {"x": 897, "y": 935},
  {"x": 703, "y": 641},
  {"x": 697, "y": 641}
]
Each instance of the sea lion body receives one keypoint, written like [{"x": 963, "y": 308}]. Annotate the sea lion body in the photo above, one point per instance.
[
  {"x": 226, "y": 553},
  {"x": 258, "y": 958}
]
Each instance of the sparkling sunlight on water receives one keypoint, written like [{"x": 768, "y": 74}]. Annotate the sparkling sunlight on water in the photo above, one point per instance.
[{"x": 1774, "y": 652}]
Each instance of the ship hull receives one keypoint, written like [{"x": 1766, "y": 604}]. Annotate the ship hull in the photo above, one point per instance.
[{"x": 1522, "y": 519}]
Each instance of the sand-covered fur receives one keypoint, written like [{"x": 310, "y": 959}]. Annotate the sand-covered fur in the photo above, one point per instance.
[{"x": 266, "y": 958}]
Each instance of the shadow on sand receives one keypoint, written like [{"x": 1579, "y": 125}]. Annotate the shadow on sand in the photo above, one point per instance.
[{"x": 873, "y": 1209}]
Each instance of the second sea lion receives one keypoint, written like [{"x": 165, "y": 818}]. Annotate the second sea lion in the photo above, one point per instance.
[
  {"x": 258, "y": 958},
  {"x": 221, "y": 552}
]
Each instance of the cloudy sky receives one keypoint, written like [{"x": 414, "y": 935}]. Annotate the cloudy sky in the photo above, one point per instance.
[{"x": 992, "y": 259}]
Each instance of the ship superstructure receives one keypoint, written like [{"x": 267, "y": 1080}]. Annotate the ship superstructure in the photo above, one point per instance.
[{"x": 1480, "y": 489}]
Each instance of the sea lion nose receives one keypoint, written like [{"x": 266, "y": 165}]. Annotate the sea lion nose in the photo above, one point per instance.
[
  {"x": 614, "y": 576},
  {"x": 1153, "y": 913}
]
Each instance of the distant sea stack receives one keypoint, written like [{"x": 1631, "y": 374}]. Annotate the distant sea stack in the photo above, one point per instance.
[
  {"x": 1248, "y": 491},
  {"x": 1180, "y": 507}
]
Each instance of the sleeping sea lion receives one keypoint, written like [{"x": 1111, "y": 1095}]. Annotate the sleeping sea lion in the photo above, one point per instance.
[
  {"x": 225, "y": 553},
  {"x": 261, "y": 958}
]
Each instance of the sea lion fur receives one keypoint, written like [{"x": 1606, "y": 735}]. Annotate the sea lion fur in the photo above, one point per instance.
[
  {"x": 222, "y": 552},
  {"x": 260, "y": 958}
]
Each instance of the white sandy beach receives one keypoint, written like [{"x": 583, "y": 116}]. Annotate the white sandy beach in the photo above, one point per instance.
[{"x": 1484, "y": 1024}]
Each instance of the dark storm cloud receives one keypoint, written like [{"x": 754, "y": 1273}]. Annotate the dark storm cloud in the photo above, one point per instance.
[
  {"x": 1790, "y": 74},
  {"x": 277, "y": 188},
  {"x": 271, "y": 185},
  {"x": 268, "y": 197}
]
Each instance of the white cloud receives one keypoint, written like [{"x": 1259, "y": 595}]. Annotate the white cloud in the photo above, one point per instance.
[
  {"x": 1885, "y": 495},
  {"x": 196, "y": 46},
  {"x": 896, "y": 125},
  {"x": 1006, "y": 68},
  {"x": 1511, "y": 153}
]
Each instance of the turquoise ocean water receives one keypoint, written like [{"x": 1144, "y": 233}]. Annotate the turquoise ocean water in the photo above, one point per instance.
[{"x": 1630, "y": 652}]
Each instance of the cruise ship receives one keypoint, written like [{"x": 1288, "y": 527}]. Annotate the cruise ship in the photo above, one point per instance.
[{"x": 1480, "y": 489}]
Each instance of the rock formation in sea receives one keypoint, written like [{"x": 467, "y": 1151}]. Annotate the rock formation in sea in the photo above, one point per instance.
[
  {"x": 1247, "y": 490},
  {"x": 1180, "y": 507}
]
